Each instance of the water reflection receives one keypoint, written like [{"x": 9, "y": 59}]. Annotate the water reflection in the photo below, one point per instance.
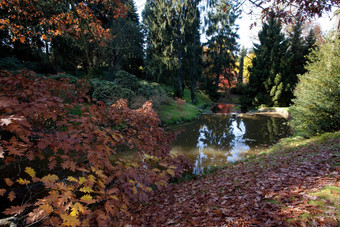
[{"x": 214, "y": 140}]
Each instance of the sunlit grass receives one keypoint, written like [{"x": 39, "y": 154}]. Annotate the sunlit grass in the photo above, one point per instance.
[
  {"x": 328, "y": 200},
  {"x": 174, "y": 113}
]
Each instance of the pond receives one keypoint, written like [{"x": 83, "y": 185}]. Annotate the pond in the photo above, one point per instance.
[{"x": 215, "y": 139}]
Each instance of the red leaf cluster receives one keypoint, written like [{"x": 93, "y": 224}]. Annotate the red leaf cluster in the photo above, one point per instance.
[{"x": 67, "y": 156}]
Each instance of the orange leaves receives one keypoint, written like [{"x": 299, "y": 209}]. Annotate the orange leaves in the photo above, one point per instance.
[
  {"x": 9, "y": 182},
  {"x": 2, "y": 191},
  {"x": 11, "y": 196},
  {"x": 71, "y": 165},
  {"x": 15, "y": 151},
  {"x": 49, "y": 180},
  {"x": 47, "y": 208}
]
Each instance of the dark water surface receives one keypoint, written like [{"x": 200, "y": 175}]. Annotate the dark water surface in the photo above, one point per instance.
[{"x": 213, "y": 140}]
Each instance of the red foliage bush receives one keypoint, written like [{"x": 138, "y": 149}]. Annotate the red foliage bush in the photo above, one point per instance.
[{"x": 55, "y": 149}]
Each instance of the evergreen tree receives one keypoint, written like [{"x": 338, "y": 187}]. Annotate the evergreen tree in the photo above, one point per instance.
[
  {"x": 317, "y": 103},
  {"x": 298, "y": 49},
  {"x": 268, "y": 76},
  {"x": 222, "y": 45},
  {"x": 126, "y": 49},
  {"x": 192, "y": 61},
  {"x": 161, "y": 58},
  {"x": 172, "y": 41}
]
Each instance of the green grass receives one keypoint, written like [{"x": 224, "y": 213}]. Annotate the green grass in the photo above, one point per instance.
[
  {"x": 173, "y": 113},
  {"x": 327, "y": 198}
]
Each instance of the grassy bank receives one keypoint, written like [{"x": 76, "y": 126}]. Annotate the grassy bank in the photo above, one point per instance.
[
  {"x": 177, "y": 112},
  {"x": 294, "y": 183}
]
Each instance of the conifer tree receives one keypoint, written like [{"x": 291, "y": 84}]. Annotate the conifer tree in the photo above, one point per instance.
[
  {"x": 172, "y": 39},
  {"x": 126, "y": 49},
  {"x": 268, "y": 76},
  {"x": 298, "y": 49},
  {"x": 317, "y": 103},
  {"x": 222, "y": 44}
]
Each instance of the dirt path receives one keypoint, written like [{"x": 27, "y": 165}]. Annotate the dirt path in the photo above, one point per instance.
[{"x": 267, "y": 190}]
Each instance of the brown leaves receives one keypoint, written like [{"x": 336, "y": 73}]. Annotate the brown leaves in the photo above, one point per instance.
[
  {"x": 11, "y": 196},
  {"x": 16, "y": 209},
  {"x": 265, "y": 191}
]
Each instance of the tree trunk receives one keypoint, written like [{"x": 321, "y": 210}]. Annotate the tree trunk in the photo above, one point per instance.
[
  {"x": 179, "y": 86},
  {"x": 219, "y": 66}
]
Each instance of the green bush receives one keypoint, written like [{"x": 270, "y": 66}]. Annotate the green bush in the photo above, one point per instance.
[
  {"x": 317, "y": 104},
  {"x": 126, "y": 80},
  {"x": 110, "y": 92},
  {"x": 9, "y": 63},
  {"x": 72, "y": 79},
  {"x": 148, "y": 89}
]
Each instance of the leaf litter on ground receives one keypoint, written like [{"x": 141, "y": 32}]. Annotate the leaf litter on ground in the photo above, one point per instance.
[{"x": 272, "y": 189}]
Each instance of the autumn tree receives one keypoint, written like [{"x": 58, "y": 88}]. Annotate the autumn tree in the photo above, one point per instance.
[
  {"x": 27, "y": 21},
  {"x": 57, "y": 153}
]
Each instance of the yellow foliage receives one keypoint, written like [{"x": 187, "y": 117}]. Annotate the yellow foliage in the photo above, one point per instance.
[
  {"x": 86, "y": 189},
  {"x": 46, "y": 208},
  {"x": 171, "y": 172},
  {"x": 72, "y": 179},
  {"x": 87, "y": 199},
  {"x": 82, "y": 180},
  {"x": 30, "y": 171},
  {"x": 113, "y": 197},
  {"x": 23, "y": 181},
  {"x": 247, "y": 63}
]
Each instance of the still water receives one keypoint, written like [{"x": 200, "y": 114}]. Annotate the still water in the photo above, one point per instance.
[{"x": 213, "y": 140}]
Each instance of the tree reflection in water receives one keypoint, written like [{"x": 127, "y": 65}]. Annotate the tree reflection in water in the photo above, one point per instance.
[{"x": 214, "y": 140}]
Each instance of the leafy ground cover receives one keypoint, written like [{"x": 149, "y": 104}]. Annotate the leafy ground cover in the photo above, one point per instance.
[{"x": 295, "y": 183}]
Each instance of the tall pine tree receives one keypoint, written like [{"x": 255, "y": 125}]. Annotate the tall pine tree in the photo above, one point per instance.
[
  {"x": 172, "y": 42},
  {"x": 298, "y": 49},
  {"x": 222, "y": 44},
  {"x": 126, "y": 49},
  {"x": 268, "y": 76}
]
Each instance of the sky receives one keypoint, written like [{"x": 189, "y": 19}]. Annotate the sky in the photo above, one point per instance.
[{"x": 247, "y": 36}]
